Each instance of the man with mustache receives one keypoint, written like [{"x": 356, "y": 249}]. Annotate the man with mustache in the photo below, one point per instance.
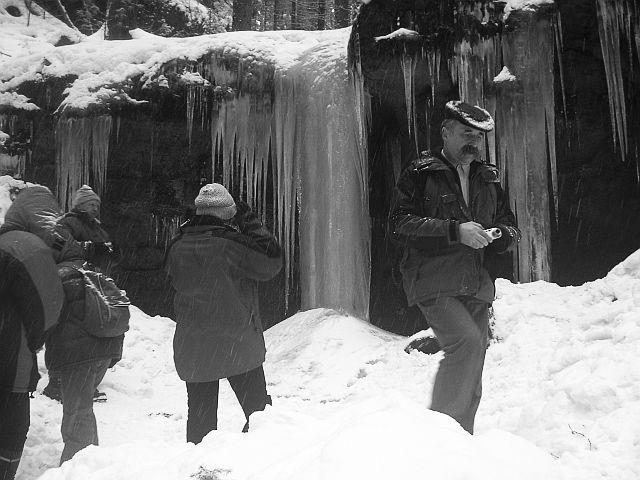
[{"x": 443, "y": 204}]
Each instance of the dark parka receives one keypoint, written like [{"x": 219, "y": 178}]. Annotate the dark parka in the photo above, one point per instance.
[
  {"x": 426, "y": 214},
  {"x": 30, "y": 302},
  {"x": 69, "y": 344},
  {"x": 214, "y": 269}
]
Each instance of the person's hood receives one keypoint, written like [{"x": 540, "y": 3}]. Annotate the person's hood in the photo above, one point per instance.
[{"x": 34, "y": 210}]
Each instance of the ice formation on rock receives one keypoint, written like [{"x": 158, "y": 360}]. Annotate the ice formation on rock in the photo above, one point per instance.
[
  {"x": 619, "y": 22},
  {"x": 82, "y": 151}
]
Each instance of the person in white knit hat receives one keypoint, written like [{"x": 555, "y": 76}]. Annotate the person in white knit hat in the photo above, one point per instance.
[
  {"x": 216, "y": 201},
  {"x": 215, "y": 264}
]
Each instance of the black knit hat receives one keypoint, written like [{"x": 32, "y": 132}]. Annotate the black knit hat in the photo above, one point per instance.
[{"x": 467, "y": 114}]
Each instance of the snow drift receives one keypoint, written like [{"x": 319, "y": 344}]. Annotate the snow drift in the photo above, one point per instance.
[{"x": 561, "y": 400}]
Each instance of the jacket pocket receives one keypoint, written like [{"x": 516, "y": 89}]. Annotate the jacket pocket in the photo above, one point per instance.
[{"x": 450, "y": 208}]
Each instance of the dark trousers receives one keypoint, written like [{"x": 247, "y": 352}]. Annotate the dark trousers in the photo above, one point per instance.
[
  {"x": 202, "y": 401},
  {"x": 79, "y": 427},
  {"x": 14, "y": 425},
  {"x": 461, "y": 326}
]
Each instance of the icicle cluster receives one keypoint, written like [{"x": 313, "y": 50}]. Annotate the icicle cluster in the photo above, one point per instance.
[
  {"x": 521, "y": 99},
  {"x": 293, "y": 143},
  {"x": 163, "y": 229},
  {"x": 619, "y": 20},
  {"x": 82, "y": 150}
]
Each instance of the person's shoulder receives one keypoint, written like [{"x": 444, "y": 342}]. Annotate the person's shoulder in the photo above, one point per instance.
[
  {"x": 489, "y": 172},
  {"x": 427, "y": 161},
  {"x": 70, "y": 218}
]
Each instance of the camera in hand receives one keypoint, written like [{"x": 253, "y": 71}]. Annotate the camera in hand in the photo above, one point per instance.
[{"x": 494, "y": 232}]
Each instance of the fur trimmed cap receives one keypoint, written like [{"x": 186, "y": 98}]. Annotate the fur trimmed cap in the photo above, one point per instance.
[
  {"x": 84, "y": 194},
  {"x": 467, "y": 114},
  {"x": 215, "y": 200}
]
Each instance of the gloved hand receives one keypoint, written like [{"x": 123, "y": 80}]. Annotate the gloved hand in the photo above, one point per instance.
[
  {"x": 93, "y": 249},
  {"x": 245, "y": 218}
]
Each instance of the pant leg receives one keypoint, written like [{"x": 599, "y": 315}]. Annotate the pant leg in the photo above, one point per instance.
[
  {"x": 460, "y": 325},
  {"x": 251, "y": 390},
  {"x": 202, "y": 405},
  {"x": 479, "y": 311},
  {"x": 79, "y": 427},
  {"x": 14, "y": 425}
]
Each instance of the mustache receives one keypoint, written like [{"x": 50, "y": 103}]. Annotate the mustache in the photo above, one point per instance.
[{"x": 471, "y": 149}]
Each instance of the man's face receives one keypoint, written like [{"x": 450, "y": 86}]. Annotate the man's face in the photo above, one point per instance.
[
  {"x": 461, "y": 142},
  {"x": 91, "y": 208}
]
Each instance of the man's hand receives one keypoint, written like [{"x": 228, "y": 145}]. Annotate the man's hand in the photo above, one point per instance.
[{"x": 473, "y": 235}]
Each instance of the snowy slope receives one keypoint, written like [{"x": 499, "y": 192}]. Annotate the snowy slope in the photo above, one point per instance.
[
  {"x": 24, "y": 31},
  {"x": 562, "y": 400}
]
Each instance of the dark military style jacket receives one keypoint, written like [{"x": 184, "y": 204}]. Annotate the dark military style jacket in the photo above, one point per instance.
[{"x": 427, "y": 210}]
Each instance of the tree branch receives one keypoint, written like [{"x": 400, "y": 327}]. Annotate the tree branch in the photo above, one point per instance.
[{"x": 65, "y": 16}]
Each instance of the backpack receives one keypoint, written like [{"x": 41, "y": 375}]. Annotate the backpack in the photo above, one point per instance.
[{"x": 106, "y": 307}]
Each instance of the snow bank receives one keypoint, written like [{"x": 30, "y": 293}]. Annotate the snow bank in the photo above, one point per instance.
[
  {"x": 346, "y": 405},
  {"x": 572, "y": 382},
  {"x": 513, "y": 5},
  {"x": 101, "y": 64},
  {"x": 561, "y": 400}
]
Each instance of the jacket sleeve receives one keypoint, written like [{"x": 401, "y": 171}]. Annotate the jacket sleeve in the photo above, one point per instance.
[
  {"x": 409, "y": 227},
  {"x": 506, "y": 222},
  {"x": 259, "y": 256}
]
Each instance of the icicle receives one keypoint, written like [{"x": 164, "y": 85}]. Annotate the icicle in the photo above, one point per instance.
[
  {"x": 558, "y": 44},
  {"x": 307, "y": 138},
  {"x": 82, "y": 151},
  {"x": 334, "y": 228},
  {"x": 191, "y": 100},
  {"x": 408, "y": 63},
  {"x": 525, "y": 120},
  {"x": 609, "y": 17},
  {"x": 473, "y": 68}
]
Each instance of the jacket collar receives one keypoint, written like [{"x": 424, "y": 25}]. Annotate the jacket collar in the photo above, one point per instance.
[
  {"x": 435, "y": 160},
  {"x": 202, "y": 223}
]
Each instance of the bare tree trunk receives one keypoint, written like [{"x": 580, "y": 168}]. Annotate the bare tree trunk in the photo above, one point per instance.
[
  {"x": 322, "y": 10},
  {"x": 281, "y": 9},
  {"x": 65, "y": 15},
  {"x": 120, "y": 18},
  {"x": 295, "y": 20},
  {"x": 343, "y": 13},
  {"x": 242, "y": 14}
]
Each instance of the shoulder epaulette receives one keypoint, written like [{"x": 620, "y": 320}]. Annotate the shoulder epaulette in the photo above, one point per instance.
[{"x": 427, "y": 161}]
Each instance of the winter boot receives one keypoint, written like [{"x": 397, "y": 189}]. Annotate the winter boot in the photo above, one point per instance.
[
  {"x": 428, "y": 345},
  {"x": 99, "y": 396}
]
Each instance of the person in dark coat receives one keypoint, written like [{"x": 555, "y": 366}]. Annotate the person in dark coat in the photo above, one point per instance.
[
  {"x": 443, "y": 202},
  {"x": 83, "y": 225},
  {"x": 30, "y": 303},
  {"x": 80, "y": 360},
  {"x": 214, "y": 264}
]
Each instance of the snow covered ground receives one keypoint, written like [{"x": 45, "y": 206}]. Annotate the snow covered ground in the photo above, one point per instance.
[{"x": 562, "y": 400}]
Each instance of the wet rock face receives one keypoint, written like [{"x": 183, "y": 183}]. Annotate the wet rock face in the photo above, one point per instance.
[{"x": 598, "y": 193}]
